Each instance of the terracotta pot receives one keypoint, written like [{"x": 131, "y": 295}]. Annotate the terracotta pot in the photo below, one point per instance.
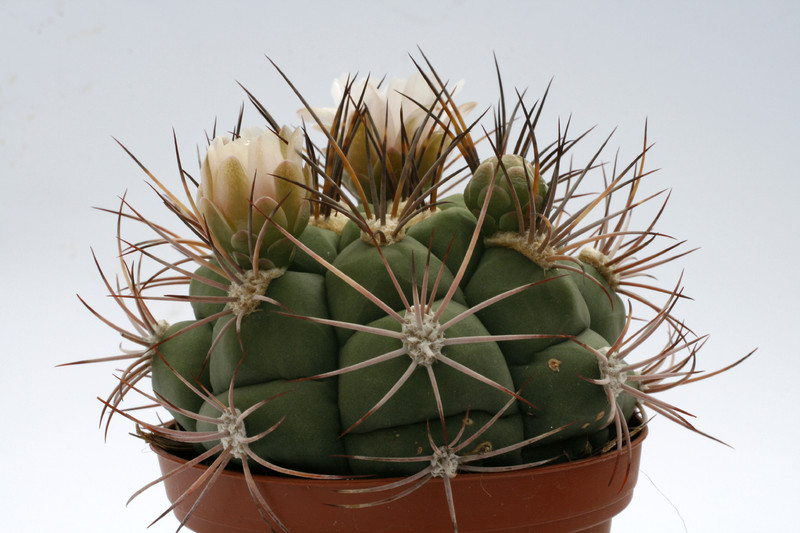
[{"x": 580, "y": 496}]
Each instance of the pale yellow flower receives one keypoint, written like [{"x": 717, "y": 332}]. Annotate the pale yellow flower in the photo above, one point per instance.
[
  {"x": 397, "y": 110},
  {"x": 263, "y": 165}
]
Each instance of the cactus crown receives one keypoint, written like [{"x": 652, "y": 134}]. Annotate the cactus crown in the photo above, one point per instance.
[{"x": 353, "y": 315}]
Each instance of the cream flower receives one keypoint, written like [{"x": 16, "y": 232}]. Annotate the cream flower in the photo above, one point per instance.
[
  {"x": 397, "y": 110},
  {"x": 270, "y": 167}
]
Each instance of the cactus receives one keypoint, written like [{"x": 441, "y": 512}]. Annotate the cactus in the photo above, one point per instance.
[{"x": 351, "y": 317}]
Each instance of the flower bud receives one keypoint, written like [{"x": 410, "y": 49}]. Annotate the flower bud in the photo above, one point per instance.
[
  {"x": 244, "y": 180},
  {"x": 511, "y": 181}
]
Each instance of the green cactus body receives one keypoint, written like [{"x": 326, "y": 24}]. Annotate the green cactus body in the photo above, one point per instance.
[
  {"x": 350, "y": 233},
  {"x": 184, "y": 353},
  {"x": 358, "y": 410},
  {"x": 454, "y": 200},
  {"x": 401, "y": 426},
  {"x": 553, "y": 307},
  {"x": 364, "y": 263},
  {"x": 274, "y": 346},
  {"x": 272, "y": 342},
  {"x": 555, "y": 383},
  {"x": 607, "y": 313},
  {"x": 322, "y": 241},
  {"x": 198, "y": 290},
  {"x": 414, "y": 402},
  {"x": 306, "y": 436},
  {"x": 448, "y": 234}
]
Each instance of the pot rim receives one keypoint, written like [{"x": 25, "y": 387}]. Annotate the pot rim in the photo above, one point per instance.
[
  {"x": 637, "y": 438},
  {"x": 581, "y": 495}
]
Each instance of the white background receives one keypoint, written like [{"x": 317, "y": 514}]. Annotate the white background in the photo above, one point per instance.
[{"x": 717, "y": 82}]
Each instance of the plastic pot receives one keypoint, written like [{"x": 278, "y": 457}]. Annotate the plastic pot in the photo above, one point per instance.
[{"x": 579, "y": 496}]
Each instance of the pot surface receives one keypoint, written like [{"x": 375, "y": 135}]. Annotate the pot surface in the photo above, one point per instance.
[{"x": 579, "y": 496}]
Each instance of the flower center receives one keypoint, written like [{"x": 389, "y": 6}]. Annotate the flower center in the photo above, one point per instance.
[{"x": 423, "y": 337}]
